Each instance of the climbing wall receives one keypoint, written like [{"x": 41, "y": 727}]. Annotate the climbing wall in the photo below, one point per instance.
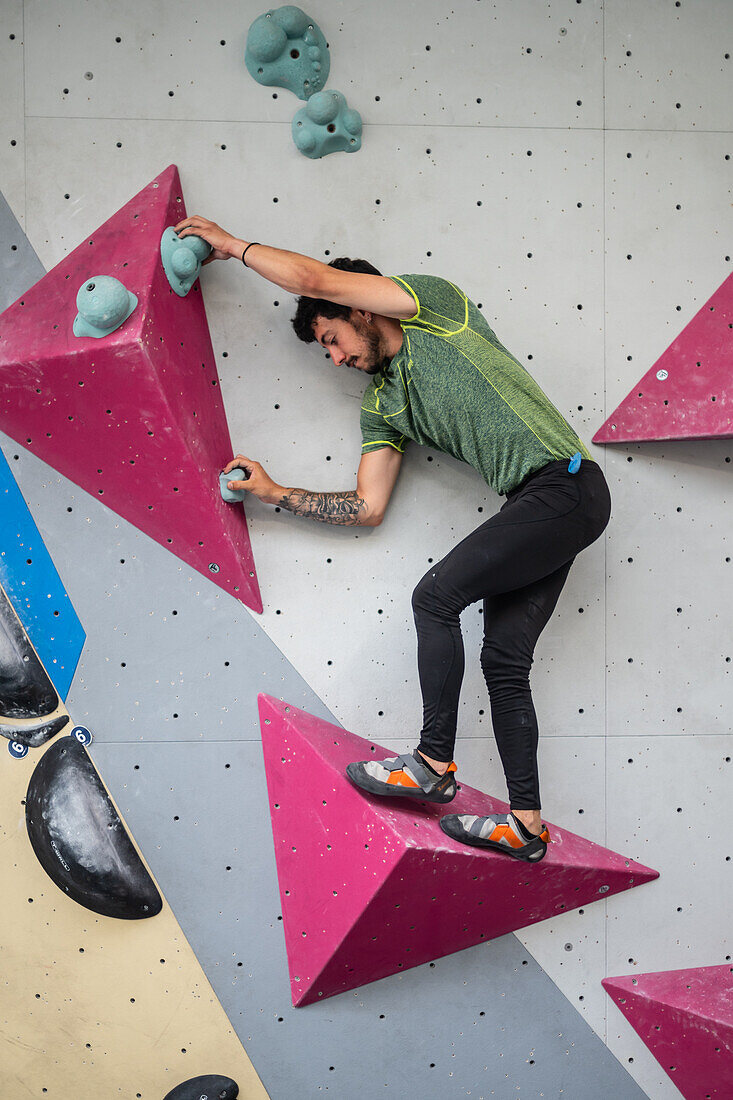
[{"x": 569, "y": 165}]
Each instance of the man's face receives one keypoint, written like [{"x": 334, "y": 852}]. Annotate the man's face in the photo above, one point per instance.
[{"x": 355, "y": 343}]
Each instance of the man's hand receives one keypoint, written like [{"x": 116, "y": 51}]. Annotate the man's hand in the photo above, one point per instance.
[
  {"x": 258, "y": 483},
  {"x": 224, "y": 245},
  {"x": 363, "y": 506}
]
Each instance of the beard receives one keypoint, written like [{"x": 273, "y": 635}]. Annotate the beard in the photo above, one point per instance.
[{"x": 374, "y": 356}]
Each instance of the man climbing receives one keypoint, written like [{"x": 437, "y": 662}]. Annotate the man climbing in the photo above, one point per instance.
[{"x": 442, "y": 378}]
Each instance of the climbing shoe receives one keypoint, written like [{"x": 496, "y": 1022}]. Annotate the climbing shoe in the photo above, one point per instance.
[
  {"x": 405, "y": 776},
  {"x": 501, "y": 832}
]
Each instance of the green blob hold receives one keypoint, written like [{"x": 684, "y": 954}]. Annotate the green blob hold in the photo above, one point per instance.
[
  {"x": 184, "y": 263},
  {"x": 182, "y": 258},
  {"x": 266, "y": 40},
  {"x": 293, "y": 20},
  {"x": 104, "y": 303},
  {"x": 286, "y": 49},
  {"x": 327, "y": 125},
  {"x": 232, "y": 495},
  {"x": 324, "y": 107}
]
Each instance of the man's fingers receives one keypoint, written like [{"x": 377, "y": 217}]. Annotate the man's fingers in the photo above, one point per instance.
[
  {"x": 238, "y": 485},
  {"x": 195, "y": 219},
  {"x": 242, "y": 462}
]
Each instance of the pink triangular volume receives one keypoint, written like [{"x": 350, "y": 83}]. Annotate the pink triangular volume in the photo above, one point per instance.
[
  {"x": 135, "y": 418},
  {"x": 685, "y": 1017},
  {"x": 372, "y": 887},
  {"x": 687, "y": 394}
]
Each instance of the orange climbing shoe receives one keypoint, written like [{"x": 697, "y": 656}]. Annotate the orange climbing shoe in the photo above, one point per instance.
[
  {"x": 500, "y": 832},
  {"x": 406, "y": 776}
]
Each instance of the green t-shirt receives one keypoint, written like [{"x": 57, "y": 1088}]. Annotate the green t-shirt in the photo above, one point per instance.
[{"x": 454, "y": 387}]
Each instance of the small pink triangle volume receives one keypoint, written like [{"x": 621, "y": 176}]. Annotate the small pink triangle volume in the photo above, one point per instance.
[
  {"x": 135, "y": 418},
  {"x": 685, "y": 1017},
  {"x": 372, "y": 887},
  {"x": 688, "y": 393}
]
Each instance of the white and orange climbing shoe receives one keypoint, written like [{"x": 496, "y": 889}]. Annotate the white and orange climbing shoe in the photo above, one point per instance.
[
  {"x": 406, "y": 776},
  {"x": 502, "y": 832}
]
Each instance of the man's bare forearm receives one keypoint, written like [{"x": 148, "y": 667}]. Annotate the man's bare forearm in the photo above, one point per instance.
[{"x": 344, "y": 509}]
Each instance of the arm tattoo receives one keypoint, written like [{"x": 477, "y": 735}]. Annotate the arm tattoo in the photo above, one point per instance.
[{"x": 345, "y": 509}]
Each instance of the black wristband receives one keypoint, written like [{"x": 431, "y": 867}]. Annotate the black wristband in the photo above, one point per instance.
[{"x": 247, "y": 250}]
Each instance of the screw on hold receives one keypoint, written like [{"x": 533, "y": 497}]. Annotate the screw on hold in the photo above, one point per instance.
[
  {"x": 213, "y": 567},
  {"x": 603, "y": 889},
  {"x": 91, "y": 286},
  {"x": 662, "y": 375},
  {"x": 89, "y": 76}
]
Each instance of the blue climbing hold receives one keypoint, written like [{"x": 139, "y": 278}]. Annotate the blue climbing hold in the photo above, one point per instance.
[
  {"x": 104, "y": 303},
  {"x": 232, "y": 495},
  {"x": 286, "y": 49},
  {"x": 182, "y": 258},
  {"x": 574, "y": 464},
  {"x": 327, "y": 125}
]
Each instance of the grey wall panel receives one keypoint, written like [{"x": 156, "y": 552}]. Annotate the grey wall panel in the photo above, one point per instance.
[
  {"x": 469, "y": 64},
  {"x": 668, "y": 65},
  {"x": 20, "y": 268},
  {"x": 12, "y": 115},
  {"x": 679, "y": 786},
  {"x": 668, "y": 209}
]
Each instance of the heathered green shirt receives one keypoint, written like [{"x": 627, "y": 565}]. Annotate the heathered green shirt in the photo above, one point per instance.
[{"x": 454, "y": 387}]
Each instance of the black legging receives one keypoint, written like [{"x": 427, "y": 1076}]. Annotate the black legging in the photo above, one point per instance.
[{"x": 517, "y": 563}]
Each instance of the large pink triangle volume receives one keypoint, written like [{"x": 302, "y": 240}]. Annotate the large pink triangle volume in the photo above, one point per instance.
[
  {"x": 687, "y": 394},
  {"x": 685, "y": 1017},
  {"x": 135, "y": 418},
  {"x": 371, "y": 887}
]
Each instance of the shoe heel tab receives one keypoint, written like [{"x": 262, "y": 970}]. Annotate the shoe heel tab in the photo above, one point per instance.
[{"x": 452, "y": 767}]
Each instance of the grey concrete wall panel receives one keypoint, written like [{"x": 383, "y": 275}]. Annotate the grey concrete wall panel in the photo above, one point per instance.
[
  {"x": 463, "y": 63},
  {"x": 20, "y": 268},
  {"x": 669, "y": 65},
  {"x": 12, "y": 116}
]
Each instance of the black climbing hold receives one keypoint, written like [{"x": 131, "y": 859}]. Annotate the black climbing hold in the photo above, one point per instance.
[
  {"x": 208, "y": 1087},
  {"x": 80, "y": 840},
  {"x": 30, "y": 709}
]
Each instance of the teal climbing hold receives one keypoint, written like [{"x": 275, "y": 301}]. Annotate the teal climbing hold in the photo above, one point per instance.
[
  {"x": 182, "y": 258},
  {"x": 104, "y": 303},
  {"x": 232, "y": 495},
  {"x": 286, "y": 49},
  {"x": 327, "y": 125}
]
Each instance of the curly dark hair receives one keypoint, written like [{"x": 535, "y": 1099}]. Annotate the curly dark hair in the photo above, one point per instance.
[{"x": 310, "y": 309}]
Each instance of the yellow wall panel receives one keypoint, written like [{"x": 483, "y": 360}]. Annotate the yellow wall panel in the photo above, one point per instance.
[{"x": 93, "y": 1007}]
